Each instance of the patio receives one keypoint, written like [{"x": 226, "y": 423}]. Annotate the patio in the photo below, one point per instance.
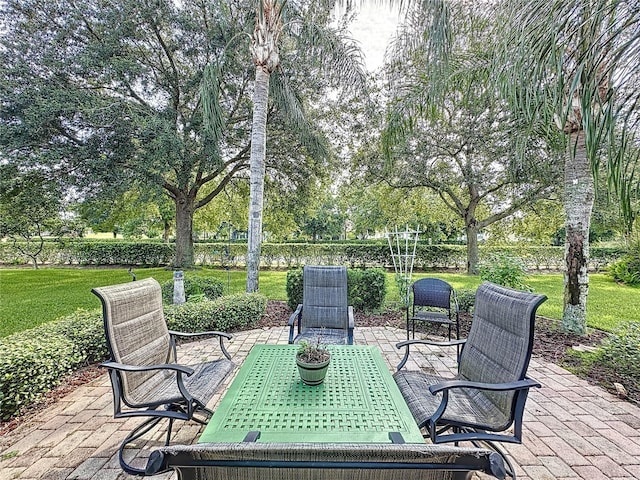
[{"x": 572, "y": 430}]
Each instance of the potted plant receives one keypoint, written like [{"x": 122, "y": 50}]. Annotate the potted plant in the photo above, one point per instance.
[{"x": 313, "y": 361}]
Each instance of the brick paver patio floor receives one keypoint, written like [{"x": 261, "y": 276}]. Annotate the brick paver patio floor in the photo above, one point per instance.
[{"x": 572, "y": 430}]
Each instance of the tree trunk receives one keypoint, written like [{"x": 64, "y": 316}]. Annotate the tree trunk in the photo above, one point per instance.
[
  {"x": 471, "y": 230},
  {"x": 184, "y": 231},
  {"x": 257, "y": 171},
  {"x": 578, "y": 204}
]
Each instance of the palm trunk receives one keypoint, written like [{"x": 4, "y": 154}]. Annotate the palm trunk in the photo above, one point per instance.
[
  {"x": 578, "y": 203},
  {"x": 184, "y": 232},
  {"x": 257, "y": 172}
]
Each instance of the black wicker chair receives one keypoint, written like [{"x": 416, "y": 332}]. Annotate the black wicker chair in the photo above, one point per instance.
[
  {"x": 434, "y": 301},
  {"x": 146, "y": 380},
  {"x": 488, "y": 394},
  {"x": 323, "y": 313}
]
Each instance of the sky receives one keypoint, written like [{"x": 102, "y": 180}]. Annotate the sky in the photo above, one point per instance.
[{"x": 373, "y": 28}]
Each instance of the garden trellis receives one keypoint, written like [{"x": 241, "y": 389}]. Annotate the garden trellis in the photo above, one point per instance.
[{"x": 403, "y": 253}]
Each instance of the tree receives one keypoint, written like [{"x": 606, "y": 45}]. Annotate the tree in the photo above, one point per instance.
[
  {"x": 304, "y": 25},
  {"x": 571, "y": 68},
  {"x": 120, "y": 96},
  {"x": 450, "y": 131},
  {"x": 30, "y": 205}
]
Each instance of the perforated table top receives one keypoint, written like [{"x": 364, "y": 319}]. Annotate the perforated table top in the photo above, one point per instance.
[{"x": 358, "y": 401}]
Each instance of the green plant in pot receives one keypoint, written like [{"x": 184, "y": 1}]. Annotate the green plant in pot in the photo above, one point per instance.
[{"x": 313, "y": 361}]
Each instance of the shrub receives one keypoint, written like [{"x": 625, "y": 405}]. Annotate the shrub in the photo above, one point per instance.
[
  {"x": 506, "y": 271},
  {"x": 294, "y": 288},
  {"x": 227, "y": 313},
  {"x": 466, "y": 299},
  {"x": 33, "y": 362},
  {"x": 627, "y": 268},
  {"x": 622, "y": 350},
  {"x": 195, "y": 287},
  {"x": 366, "y": 289},
  {"x": 30, "y": 366}
]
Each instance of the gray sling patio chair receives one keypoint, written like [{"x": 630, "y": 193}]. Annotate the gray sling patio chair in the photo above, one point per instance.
[
  {"x": 488, "y": 395},
  {"x": 146, "y": 379},
  {"x": 434, "y": 301},
  {"x": 323, "y": 313}
]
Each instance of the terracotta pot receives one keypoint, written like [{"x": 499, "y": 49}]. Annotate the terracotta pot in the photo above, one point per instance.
[{"x": 312, "y": 373}]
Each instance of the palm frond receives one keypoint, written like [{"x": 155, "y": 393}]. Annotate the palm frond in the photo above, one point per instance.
[{"x": 294, "y": 115}]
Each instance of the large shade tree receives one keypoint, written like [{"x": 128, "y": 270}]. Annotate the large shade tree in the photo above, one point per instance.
[
  {"x": 572, "y": 68},
  {"x": 114, "y": 94},
  {"x": 281, "y": 26}
]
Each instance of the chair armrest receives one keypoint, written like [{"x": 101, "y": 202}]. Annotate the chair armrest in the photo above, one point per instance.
[
  {"x": 220, "y": 335},
  {"x": 292, "y": 320},
  {"x": 147, "y": 368},
  {"x": 295, "y": 315},
  {"x": 351, "y": 324},
  {"x": 352, "y": 321},
  {"x": 407, "y": 343},
  {"x": 517, "y": 385}
]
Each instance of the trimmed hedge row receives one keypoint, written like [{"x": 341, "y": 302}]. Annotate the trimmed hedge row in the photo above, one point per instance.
[
  {"x": 34, "y": 361},
  {"x": 293, "y": 255},
  {"x": 365, "y": 288}
]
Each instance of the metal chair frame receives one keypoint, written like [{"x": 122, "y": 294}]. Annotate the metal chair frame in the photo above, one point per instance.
[{"x": 185, "y": 405}]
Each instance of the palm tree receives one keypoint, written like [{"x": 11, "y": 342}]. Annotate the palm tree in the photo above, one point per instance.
[
  {"x": 304, "y": 24},
  {"x": 572, "y": 66}
]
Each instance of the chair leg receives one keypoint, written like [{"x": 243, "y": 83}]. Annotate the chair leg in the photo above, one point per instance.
[
  {"x": 509, "y": 468},
  {"x": 136, "y": 433}
]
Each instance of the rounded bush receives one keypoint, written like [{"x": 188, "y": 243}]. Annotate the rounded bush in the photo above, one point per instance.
[
  {"x": 195, "y": 288},
  {"x": 626, "y": 269},
  {"x": 466, "y": 299}
]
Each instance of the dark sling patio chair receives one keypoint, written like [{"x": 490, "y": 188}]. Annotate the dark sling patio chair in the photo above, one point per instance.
[
  {"x": 434, "y": 301},
  {"x": 146, "y": 379},
  {"x": 488, "y": 394},
  {"x": 323, "y": 314}
]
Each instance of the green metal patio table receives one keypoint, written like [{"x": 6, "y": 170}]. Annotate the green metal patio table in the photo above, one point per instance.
[{"x": 358, "y": 402}]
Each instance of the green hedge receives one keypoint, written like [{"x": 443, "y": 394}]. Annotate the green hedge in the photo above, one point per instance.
[
  {"x": 228, "y": 313},
  {"x": 34, "y": 361},
  {"x": 295, "y": 255},
  {"x": 365, "y": 288}
]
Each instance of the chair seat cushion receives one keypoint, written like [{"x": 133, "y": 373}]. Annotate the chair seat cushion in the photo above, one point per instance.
[
  {"x": 436, "y": 317},
  {"x": 470, "y": 407},
  {"x": 162, "y": 388},
  {"x": 327, "y": 336}
]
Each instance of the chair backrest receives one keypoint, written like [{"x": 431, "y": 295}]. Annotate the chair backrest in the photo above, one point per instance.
[
  {"x": 432, "y": 292},
  {"x": 324, "y": 297},
  {"x": 135, "y": 328},
  {"x": 499, "y": 345},
  {"x": 320, "y": 461}
]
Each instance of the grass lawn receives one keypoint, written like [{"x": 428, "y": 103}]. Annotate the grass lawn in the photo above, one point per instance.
[{"x": 29, "y": 297}]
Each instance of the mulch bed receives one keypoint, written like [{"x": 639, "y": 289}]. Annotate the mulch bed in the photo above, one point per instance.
[{"x": 549, "y": 343}]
